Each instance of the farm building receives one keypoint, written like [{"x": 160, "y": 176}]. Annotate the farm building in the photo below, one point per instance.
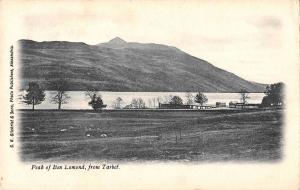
[
  {"x": 221, "y": 104},
  {"x": 201, "y": 107},
  {"x": 232, "y": 104},
  {"x": 174, "y": 106},
  {"x": 177, "y": 106},
  {"x": 244, "y": 106}
]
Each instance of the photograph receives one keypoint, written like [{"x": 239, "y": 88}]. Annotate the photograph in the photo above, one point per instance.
[
  {"x": 139, "y": 95},
  {"x": 135, "y": 101}
]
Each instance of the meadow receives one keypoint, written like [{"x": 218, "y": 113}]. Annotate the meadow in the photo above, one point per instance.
[{"x": 150, "y": 135}]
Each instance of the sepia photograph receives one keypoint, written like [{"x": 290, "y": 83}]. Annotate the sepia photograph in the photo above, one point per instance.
[
  {"x": 171, "y": 94},
  {"x": 141, "y": 101}
]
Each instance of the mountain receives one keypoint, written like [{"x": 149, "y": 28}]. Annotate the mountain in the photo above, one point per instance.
[
  {"x": 124, "y": 66},
  {"x": 117, "y": 41}
]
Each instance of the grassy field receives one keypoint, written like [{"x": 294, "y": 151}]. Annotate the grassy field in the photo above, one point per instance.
[{"x": 150, "y": 135}]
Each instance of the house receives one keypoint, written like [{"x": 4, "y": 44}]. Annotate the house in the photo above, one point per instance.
[
  {"x": 232, "y": 104},
  {"x": 246, "y": 106},
  {"x": 201, "y": 107},
  {"x": 177, "y": 106},
  {"x": 221, "y": 104},
  {"x": 174, "y": 106}
]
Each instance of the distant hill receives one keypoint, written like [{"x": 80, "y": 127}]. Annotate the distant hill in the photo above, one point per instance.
[{"x": 124, "y": 66}]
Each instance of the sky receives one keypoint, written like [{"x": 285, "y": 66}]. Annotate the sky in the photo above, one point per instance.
[{"x": 248, "y": 38}]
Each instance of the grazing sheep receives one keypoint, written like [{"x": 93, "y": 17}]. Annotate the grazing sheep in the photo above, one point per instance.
[{"x": 103, "y": 135}]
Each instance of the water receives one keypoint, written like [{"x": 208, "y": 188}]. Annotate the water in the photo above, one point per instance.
[{"x": 78, "y": 100}]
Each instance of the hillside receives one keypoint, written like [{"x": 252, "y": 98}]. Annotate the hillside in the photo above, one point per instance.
[{"x": 124, "y": 66}]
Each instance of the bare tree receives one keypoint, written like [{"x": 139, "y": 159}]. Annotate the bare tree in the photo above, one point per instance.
[
  {"x": 60, "y": 96},
  {"x": 189, "y": 98},
  {"x": 138, "y": 103},
  {"x": 167, "y": 99},
  {"x": 134, "y": 103},
  {"x": 244, "y": 96},
  {"x": 141, "y": 103},
  {"x": 158, "y": 100},
  {"x": 89, "y": 93},
  {"x": 117, "y": 104},
  {"x": 154, "y": 102},
  {"x": 150, "y": 103}
]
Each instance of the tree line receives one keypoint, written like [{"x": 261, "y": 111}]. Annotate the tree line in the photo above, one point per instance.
[{"x": 35, "y": 95}]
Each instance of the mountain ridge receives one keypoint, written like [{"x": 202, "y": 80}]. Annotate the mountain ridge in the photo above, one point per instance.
[{"x": 118, "y": 65}]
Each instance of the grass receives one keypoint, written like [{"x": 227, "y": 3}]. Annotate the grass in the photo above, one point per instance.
[{"x": 50, "y": 135}]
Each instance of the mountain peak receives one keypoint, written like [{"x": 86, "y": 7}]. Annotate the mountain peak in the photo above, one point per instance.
[{"x": 117, "y": 40}]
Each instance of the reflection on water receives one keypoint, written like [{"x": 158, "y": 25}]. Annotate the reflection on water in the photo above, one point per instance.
[{"x": 78, "y": 99}]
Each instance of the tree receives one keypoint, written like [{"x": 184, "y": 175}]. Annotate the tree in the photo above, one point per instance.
[
  {"x": 176, "y": 100},
  {"x": 137, "y": 103},
  {"x": 150, "y": 103},
  {"x": 244, "y": 96},
  {"x": 274, "y": 95},
  {"x": 134, "y": 103},
  {"x": 60, "y": 96},
  {"x": 158, "y": 99},
  {"x": 167, "y": 99},
  {"x": 96, "y": 101},
  {"x": 141, "y": 103},
  {"x": 154, "y": 102},
  {"x": 200, "y": 98},
  {"x": 266, "y": 102},
  {"x": 34, "y": 94},
  {"x": 89, "y": 93},
  {"x": 117, "y": 104},
  {"x": 189, "y": 98}
]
